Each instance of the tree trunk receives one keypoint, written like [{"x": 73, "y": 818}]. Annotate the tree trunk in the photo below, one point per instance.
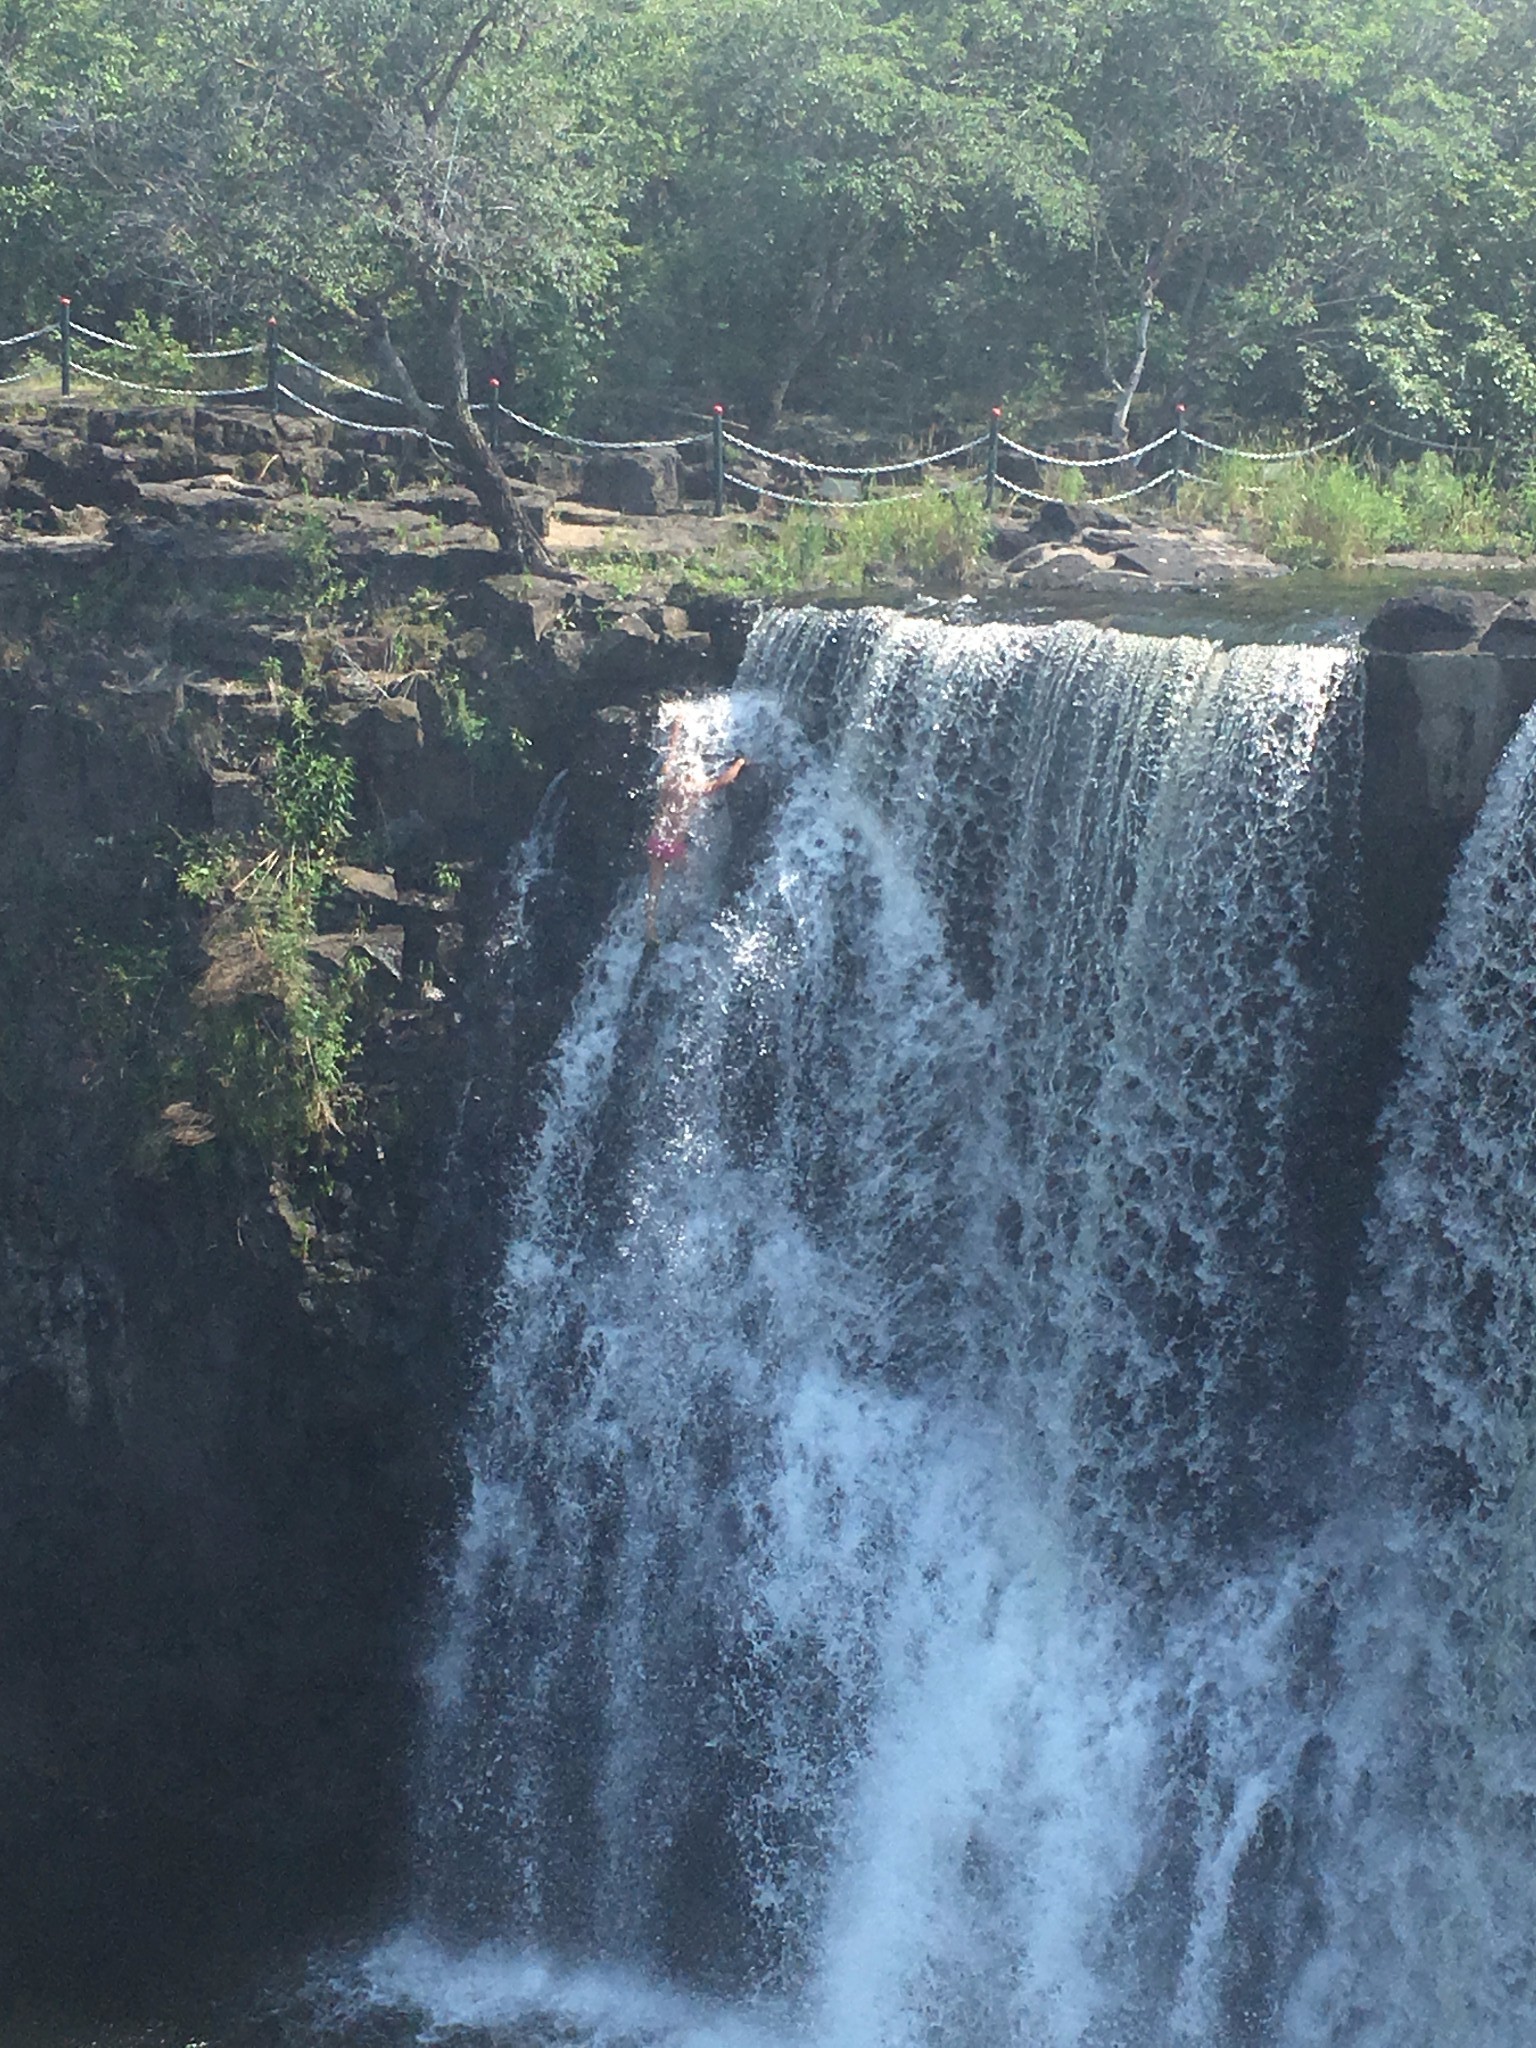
[
  {"x": 504, "y": 512},
  {"x": 1120, "y": 426}
]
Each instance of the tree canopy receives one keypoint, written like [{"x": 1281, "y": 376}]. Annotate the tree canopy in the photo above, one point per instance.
[{"x": 894, "y": 212}]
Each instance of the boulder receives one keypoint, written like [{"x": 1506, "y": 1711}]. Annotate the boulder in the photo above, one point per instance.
[
  {"x": 364, "y": 890},
  {"x": 237, "y": 967},
  {"x": 1065, "y": 565},
  {"x": 376, "y": 733},
  {"x": 647, "y": 480},
  {"x": 1433, "y": 621},
  {"x": 1010, "y": 538},
  {"x": 520, "y": 610},
  {"x": 222, "y": 504},
  {"x": 561, "y": 475},
  {"x": 1189, "y": 559},
  {"x": 383, "y": 947},
  {"x": 1513, "y": 633},
  {"x": 1058, "y": 521}
]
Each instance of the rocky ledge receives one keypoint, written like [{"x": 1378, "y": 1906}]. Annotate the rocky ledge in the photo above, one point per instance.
[{"x": 1096, "y": 550}]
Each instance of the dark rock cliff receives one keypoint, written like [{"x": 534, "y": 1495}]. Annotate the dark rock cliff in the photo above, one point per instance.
[{"x": 233, "y": 1355}]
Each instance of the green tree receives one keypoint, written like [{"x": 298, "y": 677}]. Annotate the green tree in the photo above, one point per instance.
[
  {"x": 429, "y": 171},
  {"x": 804, "y": 154},
  {"x": 1265, "y": 178}
]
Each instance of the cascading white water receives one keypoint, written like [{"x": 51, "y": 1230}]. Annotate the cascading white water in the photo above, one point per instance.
[
  {"x": 898, "y": 1602},
  {"x": 1432, "y": 1817}
]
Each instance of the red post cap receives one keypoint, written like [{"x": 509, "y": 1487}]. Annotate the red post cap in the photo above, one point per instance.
[
  {"x": 997, "y": 412},
  {"x": 495, "y": 383},
  {"x": 271, "y": 319},
  {"x": 719, "y": 412},
  {"x": 62, "y": 300},
  {"x": 1180, "y": 406}
]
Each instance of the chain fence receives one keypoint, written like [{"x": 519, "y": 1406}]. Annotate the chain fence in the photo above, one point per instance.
[{"x": 981, "y": 456}]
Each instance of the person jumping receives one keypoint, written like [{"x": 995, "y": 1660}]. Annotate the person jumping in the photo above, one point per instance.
[{"x": 681, "y": 788}]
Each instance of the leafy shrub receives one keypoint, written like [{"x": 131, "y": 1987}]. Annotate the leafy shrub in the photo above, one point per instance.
[
  {"x": 1332, "y": 512},
  {"x": 276, "y": 1059},
  {"x": 462, "y": 723},
  {"x": 156, "y": 357},
  {"x": 318, "y": 584},
  {"x": 313, "y": 794},
  {"x": 1066, "y": 482}
]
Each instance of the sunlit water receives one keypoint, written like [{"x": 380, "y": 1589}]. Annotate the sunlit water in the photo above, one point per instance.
[{"x": 912, "y": 1591}]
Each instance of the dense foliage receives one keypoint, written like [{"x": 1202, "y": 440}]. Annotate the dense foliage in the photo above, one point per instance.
[{"x": 894, "y": 212}]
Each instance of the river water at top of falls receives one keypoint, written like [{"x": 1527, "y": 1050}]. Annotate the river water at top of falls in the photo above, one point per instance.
[{"x": 942, "y": 1564}]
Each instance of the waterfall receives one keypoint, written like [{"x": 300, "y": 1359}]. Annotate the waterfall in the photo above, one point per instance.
[
  {"x": 910, "y": 1591},
  {"x": 1435, "y": 1796}
]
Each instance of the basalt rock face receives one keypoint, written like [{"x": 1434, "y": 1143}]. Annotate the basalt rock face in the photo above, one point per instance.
[
  {"x": 230, "y": 1382},
  {"x": 1449, "y": 675}
]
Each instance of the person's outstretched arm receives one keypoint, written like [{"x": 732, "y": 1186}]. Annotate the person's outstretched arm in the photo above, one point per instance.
[{"x": 726, "y": 776}]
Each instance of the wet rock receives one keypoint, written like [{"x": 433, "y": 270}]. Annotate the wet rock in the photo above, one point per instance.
[
  {"x": 726, "y": 620},
  {"x": 1513, "y": 632},
  {"x": 1432, "y": 621},
  {"x": 1190, "y": 559}
]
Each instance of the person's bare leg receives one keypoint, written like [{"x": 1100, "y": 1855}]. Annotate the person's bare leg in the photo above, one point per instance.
[{"x": 658, "y": 874}]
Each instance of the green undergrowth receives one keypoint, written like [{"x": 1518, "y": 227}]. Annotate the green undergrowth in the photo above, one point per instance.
[
  {"x": 1327, "y": 512},
  {"x": 834, "y": 550},
  {"x": 275, "y": 1043},
  {"x": 1333, "y": 512},
  {"x": 931, "y": 533}
]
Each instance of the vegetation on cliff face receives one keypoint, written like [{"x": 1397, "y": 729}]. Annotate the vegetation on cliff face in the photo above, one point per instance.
[
  {"x": 279, "y": 1066},
  {"x": 630, "y": 208},
  {"x": 198, "y": 928}
]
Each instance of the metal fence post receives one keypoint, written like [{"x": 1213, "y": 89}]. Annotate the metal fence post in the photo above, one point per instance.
[
  {"x": 495, "y": 412},
  {"x": 272, "y": 391},
  {"x": 719, "y": 460},
  {"x": 1178, "y": 453},
  {"x": 63, "y": 347},
  {"x": 992, "y": 433}
]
